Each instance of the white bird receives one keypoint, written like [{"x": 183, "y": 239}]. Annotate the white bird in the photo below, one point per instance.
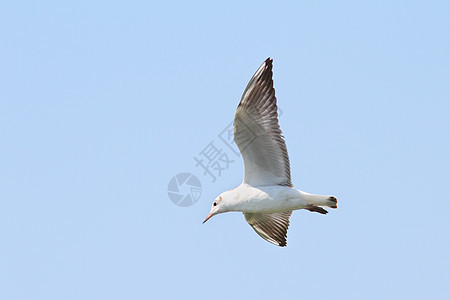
[{"x": 266, "y": 196}]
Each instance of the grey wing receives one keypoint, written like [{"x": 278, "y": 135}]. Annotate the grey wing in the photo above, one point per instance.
[
  {"x": 271, "y": 227},
  {"x": 258, "y": 134}
]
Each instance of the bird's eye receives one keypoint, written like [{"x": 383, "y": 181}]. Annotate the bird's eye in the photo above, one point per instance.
[{"x": 215, "y": 203}]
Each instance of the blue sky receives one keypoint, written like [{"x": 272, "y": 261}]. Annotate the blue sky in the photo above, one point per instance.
[{"x": 103, "y": 103}]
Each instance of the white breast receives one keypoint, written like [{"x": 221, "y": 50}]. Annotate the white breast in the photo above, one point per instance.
[{"x": 267, "y": 199}]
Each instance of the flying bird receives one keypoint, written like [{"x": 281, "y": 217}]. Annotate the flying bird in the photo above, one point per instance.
[{"x": 266, "y": 196}]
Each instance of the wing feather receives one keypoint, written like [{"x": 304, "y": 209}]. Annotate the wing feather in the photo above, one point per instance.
[
  {"x": 271, "y": 227},
  {"x": 258, "y": 135}
]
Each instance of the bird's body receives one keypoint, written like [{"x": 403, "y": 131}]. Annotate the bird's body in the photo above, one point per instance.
[
  {"x": 267, "y": 196},
  {"x": 271, "y": 199}
]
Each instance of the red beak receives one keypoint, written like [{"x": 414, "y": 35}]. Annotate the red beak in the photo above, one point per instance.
[{"x": 207, "y": 218}]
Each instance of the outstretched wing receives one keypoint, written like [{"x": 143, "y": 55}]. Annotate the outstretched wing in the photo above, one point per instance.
[
  {"x": 258, "y": 135},
  {"x": 271, "y": 227}
]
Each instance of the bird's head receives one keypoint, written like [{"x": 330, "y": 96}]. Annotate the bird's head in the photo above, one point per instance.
[{"x": 219, "y": 206}]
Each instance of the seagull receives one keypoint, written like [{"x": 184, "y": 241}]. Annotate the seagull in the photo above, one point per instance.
[{"x": 266, "y": 196}]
